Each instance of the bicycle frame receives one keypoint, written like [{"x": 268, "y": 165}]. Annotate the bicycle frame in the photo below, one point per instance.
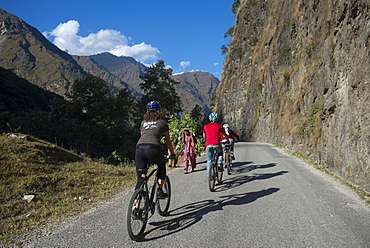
[
  {"x": 145, "y": 186},
  {"x": 214, "y": 155}
]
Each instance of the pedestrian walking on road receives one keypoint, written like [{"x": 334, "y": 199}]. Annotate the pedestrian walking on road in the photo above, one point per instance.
[{"x": 189, "y": 150}]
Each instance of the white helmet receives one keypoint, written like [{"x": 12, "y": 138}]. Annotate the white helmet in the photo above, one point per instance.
[{"x": 226, "y": 127}]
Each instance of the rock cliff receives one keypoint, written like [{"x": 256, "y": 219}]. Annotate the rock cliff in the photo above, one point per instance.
[{"x": 297, "y": 74}]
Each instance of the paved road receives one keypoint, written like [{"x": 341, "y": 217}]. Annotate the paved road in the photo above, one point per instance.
[{"x": 270, "y": 200}]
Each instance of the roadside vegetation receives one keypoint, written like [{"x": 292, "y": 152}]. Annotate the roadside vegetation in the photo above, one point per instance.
[{"x": 41, "y": 183}]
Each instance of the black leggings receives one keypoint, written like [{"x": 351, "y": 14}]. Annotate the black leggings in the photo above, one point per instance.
[{"x": 143, "y": 154}]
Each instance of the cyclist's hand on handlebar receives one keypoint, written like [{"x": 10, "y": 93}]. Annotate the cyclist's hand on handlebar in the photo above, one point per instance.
[{"x": 172, "y": 156}]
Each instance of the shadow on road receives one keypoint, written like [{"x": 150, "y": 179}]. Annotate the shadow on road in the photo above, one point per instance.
[
  {"x": 242, "y": 179},
  {"x": 238, "y": 167},
  {"x": 190, "y": 214}
]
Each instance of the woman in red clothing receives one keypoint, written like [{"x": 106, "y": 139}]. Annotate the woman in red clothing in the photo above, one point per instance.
[{"x": 189, "y": 150}]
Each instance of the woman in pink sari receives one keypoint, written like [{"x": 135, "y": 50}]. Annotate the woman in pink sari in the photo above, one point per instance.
[{"x": 189, "y": 150}]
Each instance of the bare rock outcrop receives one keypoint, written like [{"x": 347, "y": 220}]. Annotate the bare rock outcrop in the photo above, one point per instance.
[{"x": 297, "y": 72}]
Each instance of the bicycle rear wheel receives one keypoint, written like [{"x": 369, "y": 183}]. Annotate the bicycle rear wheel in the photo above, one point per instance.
[
  {"x": 164, "y": 204},
  {"x": 212, "y": 175},
  {"x": 228, "y": 163},
  {"x": 219, "y": 174},
  {"x": 137, "y": 214}
]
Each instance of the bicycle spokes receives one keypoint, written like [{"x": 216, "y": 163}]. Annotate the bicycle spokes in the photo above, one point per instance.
[
  {"x": 137, "y": 214},
  {"x": 164, "y": 204}
]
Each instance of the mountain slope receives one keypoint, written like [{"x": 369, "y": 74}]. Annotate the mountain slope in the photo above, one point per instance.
[
  {"x": 18, "y": 95},
  {"x": 127, "y": 69},
  {"x": 25, "y": 51},
  {"x": 196, "y": 89},
  {"x": 93, "y": 68}
]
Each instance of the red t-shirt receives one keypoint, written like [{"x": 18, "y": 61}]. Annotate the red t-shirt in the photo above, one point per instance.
[{"x": 212, "y": 131}]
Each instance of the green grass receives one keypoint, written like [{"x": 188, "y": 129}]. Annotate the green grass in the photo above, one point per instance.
[{"x": 62, "y": 183}]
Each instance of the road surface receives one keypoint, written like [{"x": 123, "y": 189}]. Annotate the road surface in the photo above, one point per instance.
[{"x": 270, "y": 200}]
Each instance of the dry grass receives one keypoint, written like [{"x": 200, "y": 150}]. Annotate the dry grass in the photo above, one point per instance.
[{"x": 61, "y": 182}]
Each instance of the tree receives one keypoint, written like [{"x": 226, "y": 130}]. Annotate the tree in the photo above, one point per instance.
[
  {"x": 196, "y": 113},
  {"x": 159, "y": 86},
  {"x": 235, "y": 6},
  {"x": 94, "y": 123},
  {"x": 87, "y": 97}
]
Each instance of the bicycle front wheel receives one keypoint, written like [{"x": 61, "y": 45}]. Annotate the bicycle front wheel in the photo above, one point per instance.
[
  {"x": 212, "y": 175},
  {"x": 137, "y": 214},
  {"x": 164, "y": 204}
]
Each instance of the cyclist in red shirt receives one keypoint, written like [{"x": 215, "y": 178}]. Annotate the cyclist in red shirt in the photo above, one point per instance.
[{"x": 211, "y": 133}]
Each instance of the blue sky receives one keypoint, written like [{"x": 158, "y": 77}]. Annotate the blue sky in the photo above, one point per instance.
[{"x": 187, "y": 35}]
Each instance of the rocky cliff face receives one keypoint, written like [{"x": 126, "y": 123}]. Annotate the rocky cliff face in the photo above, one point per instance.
[{"x": 297, "y": 74}]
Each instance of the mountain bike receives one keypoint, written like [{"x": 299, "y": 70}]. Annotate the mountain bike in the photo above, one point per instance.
[
  {"x": 214, "y": 173},
  {"x": 143, "y": 203}
]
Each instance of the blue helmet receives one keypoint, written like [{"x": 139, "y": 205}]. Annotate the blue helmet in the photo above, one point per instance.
[
  {"x": 213, "y": 116},
  {"x": 153, "y": 105}
]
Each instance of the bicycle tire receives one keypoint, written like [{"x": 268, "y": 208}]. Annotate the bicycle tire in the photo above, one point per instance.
[
  {"x": 219, "y": 174},
  {"x": 228, "y": 163},
  {"x": 212, "y": 176},
  {"x": 164, "y": 204},
  {"x": 136, "y": 223}
]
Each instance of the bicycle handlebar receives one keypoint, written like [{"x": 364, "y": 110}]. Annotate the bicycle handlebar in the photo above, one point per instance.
[{"x": 170, "y": 156}]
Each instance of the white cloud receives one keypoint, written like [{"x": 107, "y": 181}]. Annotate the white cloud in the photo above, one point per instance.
[
  {"x": 184, "y": 64},
  {"x": 215, "y": 64},
  {"x": 141, "y": 52},
  {"x": 105, "y": 40}
]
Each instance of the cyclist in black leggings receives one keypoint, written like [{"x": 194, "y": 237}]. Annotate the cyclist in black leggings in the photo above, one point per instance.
[{"x": 152, "y": 129}]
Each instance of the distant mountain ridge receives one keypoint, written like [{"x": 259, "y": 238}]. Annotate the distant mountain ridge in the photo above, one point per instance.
[
  {"x": 96, "y": 69},
  {"x": 196, "y": 88},
  {"x": 125, "y": 68},
  {"x": 28, "y": 54}
]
